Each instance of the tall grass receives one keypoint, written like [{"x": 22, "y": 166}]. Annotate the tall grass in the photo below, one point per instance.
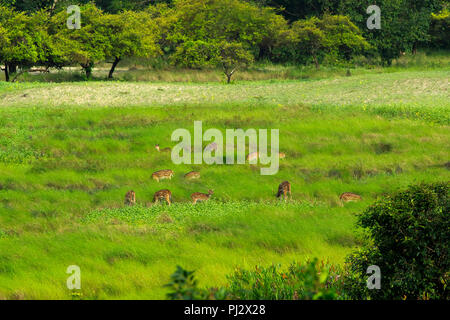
[
  {"x": 158, "y": 70},
  {"x": 414, "y": 94},
  {"x": 70, "y": 152}
]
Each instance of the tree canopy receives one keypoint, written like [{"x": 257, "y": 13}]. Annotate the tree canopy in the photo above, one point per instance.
[{"x": 193, "y": 33}]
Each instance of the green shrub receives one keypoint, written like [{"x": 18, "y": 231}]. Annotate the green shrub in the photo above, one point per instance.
[
  {"x": 184, "y": 286},
  {"x": 409, "y": 240},
  {"x": 335, "y": 36},
  {"x": 310, "y": 281}
]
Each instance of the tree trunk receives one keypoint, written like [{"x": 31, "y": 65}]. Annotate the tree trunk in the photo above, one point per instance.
[
  {"x": 18, "y": 74},
  {"x": 12, "y": 68},
  {"x": 414, "y": 48},
  {"x": 316, "y": 61},
  {"x": 229, "y": 73},
  {"x": 113, "y": 67},
  {"x": 87, "y": 69},
  {"x": 264, "y": 52},
  {"x": 6, "y": 72},
  {"x": 88, "y": 72}
]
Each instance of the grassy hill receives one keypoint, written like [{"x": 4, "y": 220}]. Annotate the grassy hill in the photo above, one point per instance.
[{"x": 69, "y": 152}]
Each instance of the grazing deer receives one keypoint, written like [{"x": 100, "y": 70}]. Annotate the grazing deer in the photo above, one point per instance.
[
  {"x": 192, "y": 175},
  {"x": 163, "y": 195},
  {"x": 255, "y": 155},
  {"x": 162, "y": 150},
  {"x": 252, "y": 156},
  {"x": 130, "y": 198},
  {"x": 162, "y": 174},
  {"x": 283, "y": 189},
  {"x": 348, "y": 196},
  {"x": 211, "y": 147},
  {"x": 197, "y": 196}
]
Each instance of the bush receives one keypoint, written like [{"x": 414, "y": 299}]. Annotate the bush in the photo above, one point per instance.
[
  {"x": 335, "y": 36},
  {"x": 184, "y": 286},
  {"x": 409, "y": 240},
  {"x": 310, "y": 281}
]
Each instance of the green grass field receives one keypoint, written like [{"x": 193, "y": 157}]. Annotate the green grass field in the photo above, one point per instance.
[{"x": 70, "y": 151}]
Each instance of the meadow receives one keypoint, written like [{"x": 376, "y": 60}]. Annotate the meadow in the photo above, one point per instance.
[{"x": 70, "y": 151}]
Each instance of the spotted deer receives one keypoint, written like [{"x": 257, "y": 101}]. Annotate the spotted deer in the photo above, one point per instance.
[
  {"x": 162, "y": 174},
  {"x": 252, "y": 156},
  {"x": 255, "y": 155},
  {"x": 211, "y": 147},
  {"x": 162, "y": 150},
  {"x": 349, "y": 196},
  {"x": 283, "y": 189},
  {"x": 130, "y": 198},
  {"x": 162, "y": 195},
  {"x": 197, "y": 196},
  {"x": 192, "y": 175}
]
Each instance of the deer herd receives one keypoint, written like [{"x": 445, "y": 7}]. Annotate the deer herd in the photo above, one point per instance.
[{"x": 284, "y": 189}]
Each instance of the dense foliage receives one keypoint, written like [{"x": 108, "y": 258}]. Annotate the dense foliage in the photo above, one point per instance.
[
  {"x": 404, "y": 24},
  {"x": 309, "y": 281},
  {"x": 335, "y": 36},
  {"x": 21, "y": 44},
  {"x": 409, "y": 242},
  {"x": 440, "y": 29},
  {"x": 200, "y": 33},
  {"x": 408, "y": 239}
]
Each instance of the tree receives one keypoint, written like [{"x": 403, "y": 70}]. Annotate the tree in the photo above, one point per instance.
[
  {"x": 230, "y": 56},
  {"x": 27, "y": 42},
  {"x": 233, "y": 56},
  {"x": 130, "y": 34},
  {"x": 309, "y": 38},
  {"x": 274, "y": 36},
  {"x": 90, "y": 43},
  {"x": 57, "y": 49},
  {"x": 343, "y": 37},
  {"x": 404, "y": 23},
  {"x": 20, "y": 40},
  {"x": 408, "y": 239},
  {"x": 223, "y": 20},
  {"x": 335, "y": 35}
]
